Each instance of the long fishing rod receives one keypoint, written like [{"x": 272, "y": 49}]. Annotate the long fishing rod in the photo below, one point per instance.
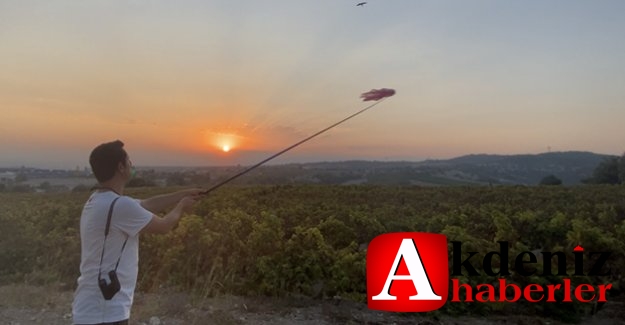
[{"x": 375, "y": 94}]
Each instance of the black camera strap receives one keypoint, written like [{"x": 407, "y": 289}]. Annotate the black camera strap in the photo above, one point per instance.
[{"x": 106, "y": 232}]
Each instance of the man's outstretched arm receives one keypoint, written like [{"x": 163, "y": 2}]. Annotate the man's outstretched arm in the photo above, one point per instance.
[
  {"x": 161, "y": 225},
  {"x": 160, "y": 203}
]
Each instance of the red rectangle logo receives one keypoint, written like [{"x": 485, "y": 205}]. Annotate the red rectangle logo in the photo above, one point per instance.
[{"x": 407, "y": 272}]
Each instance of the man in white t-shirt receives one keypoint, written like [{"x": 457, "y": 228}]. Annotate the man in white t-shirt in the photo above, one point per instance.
[{"x": 118, "y": 251}]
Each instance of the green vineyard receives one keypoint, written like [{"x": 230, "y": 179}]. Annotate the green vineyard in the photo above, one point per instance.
[{"x": 312, "y": 240}]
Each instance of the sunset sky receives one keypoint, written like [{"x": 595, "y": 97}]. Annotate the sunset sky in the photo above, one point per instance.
[{"x": 178, "y": 80}]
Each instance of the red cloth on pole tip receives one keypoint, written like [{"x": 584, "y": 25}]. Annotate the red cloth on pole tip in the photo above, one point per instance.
[{"x": 377, "y": 94}]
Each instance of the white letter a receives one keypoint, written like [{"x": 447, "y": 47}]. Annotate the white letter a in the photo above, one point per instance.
[{"x": 416, "y": 271}]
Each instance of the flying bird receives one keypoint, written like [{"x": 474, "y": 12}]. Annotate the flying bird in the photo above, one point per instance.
[{"x": 361, "y": 4}]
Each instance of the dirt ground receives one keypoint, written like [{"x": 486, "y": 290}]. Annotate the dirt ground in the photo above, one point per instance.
[{"x": 22, "y": 305}]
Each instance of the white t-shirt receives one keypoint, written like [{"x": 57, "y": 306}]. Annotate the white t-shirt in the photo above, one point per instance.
[{"x": 129, "y": 217}]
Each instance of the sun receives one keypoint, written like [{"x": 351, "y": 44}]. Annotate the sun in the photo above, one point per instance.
[{"x": 222, "y": 143}]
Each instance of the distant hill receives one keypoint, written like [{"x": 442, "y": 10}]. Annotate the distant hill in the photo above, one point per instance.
[
  {"x": 571, "y": 167},
  {"x": 482, "y": 169}
]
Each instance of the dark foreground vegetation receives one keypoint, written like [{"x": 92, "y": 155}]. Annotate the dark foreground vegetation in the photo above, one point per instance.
[{"x": 311, "y": 240}]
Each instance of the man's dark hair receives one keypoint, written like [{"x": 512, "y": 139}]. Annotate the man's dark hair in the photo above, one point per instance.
[{"x": 105, "y": 158}]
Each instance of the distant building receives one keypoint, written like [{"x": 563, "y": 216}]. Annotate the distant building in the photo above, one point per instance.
[{"x": 7, "y": 177}]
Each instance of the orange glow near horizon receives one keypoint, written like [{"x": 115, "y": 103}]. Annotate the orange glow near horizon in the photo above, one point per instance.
[{"x": 223, "y": 142}]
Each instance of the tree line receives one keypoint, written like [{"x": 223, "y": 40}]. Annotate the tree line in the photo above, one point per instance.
[{"x": 610, "y": 171}]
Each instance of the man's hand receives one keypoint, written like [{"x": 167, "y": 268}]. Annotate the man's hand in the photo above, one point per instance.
[
  {"x": 191, "y": 192},
  {"x": 187, "y": 202}
]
